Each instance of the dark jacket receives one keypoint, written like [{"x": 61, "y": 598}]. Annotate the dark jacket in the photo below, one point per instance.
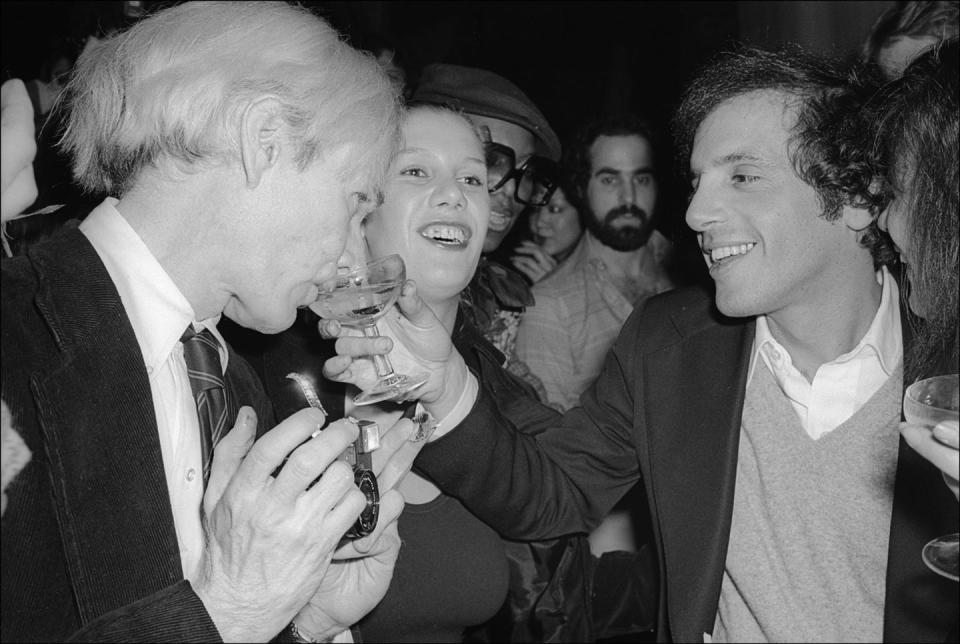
[
  {"x": 89, "y": 548},
  {"x": 666, "y": 409}
]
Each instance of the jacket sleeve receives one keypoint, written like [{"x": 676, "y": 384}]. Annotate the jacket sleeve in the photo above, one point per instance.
[
  {"x": 531, "y": 473},
  {"x": 559, "y": 591},
  {"x": 174, "y": 614}
]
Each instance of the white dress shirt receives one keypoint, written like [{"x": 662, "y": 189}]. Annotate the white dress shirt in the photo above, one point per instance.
[
  {"x": 159, "y": 314},
  {"x": 842, "y": 386}
]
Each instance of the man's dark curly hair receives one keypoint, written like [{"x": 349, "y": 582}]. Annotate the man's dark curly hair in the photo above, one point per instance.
[{"x": 822, "y": 98}]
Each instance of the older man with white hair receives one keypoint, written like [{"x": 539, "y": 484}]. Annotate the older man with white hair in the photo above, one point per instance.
[{"x": 240, "y": 144}]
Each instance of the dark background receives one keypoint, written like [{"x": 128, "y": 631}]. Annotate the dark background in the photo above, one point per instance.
[{"x": 575, "y": 60}]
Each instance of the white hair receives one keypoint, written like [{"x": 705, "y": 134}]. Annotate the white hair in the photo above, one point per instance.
[{"x": 175, "y": 86}]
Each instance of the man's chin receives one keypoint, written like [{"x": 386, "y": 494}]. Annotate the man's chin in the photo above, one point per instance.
[
  {"x": 735, "y": 304},
  {"x": 268, "y": 324}
]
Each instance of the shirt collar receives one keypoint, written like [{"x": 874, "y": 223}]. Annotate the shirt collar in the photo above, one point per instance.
[
  {"x": 883, "y": 340},
  {"x": 157, "y": 309}
]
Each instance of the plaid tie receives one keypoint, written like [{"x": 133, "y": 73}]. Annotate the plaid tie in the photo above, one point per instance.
[{"x": 202, "y": 355}]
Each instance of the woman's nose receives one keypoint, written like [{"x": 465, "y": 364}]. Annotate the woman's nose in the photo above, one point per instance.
[{"x": 448, "y": 193}]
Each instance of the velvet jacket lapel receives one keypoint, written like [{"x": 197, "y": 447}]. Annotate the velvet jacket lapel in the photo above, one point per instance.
[
  {"x": 100, "y": 432},
  {"x": 693, "y": 450}
]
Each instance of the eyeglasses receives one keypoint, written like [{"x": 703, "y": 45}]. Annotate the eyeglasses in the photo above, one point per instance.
[{"x": 536, "y": 179}]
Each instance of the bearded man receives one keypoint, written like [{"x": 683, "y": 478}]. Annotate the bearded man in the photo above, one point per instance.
[{"x": 618, "y": 263}]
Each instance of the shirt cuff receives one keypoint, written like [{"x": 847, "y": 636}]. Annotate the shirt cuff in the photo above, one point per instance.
[
  {"x": 460, "y": 410},
  {"x": 343, "y": 636}
]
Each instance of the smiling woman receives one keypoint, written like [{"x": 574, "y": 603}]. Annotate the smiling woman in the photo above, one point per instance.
[
  {"x": 436, "y": 207},
  {"x": 434, "y": 214}
]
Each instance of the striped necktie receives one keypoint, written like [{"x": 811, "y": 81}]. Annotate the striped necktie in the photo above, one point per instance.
[{"x": 202, "y": 355}]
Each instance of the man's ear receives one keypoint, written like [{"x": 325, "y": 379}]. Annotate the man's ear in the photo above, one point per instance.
[
  {"x": 856, "y": 218},
  {"x": 261, "y": 142}
]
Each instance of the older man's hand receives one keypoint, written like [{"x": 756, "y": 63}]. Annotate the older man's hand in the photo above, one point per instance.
[{"x": 270, "y": 540}]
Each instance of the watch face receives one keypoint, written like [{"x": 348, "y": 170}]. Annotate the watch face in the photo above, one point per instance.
[{"x": 367, "y": 521}]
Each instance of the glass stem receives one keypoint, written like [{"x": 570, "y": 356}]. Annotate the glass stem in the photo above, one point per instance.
[{"x": 380, "y": 362}]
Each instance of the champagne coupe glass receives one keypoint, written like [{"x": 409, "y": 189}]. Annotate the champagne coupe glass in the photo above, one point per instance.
[
  {"x": 358, "y": 299},
  {"x": 928, "y": 402}
]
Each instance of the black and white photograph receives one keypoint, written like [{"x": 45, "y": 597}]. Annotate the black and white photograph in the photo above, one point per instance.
[{"x": 481, "y": 321}]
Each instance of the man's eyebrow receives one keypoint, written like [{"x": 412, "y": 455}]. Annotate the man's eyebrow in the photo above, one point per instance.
[
  {"x": 740, "y": 157},
  {"x": 606, "y": 170},
  {"x": 730, "y": 159}
]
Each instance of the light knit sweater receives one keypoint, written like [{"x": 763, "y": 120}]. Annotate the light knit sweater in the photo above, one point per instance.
[{"x": 808, "y": 545}]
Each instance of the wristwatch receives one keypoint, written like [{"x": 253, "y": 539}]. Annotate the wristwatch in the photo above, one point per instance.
[{"x": 292, "y": 634}]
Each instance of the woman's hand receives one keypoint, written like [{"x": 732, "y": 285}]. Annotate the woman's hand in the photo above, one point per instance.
[
  {"x": 533, "y": 261},
  {"x": 939, "y": 446},
  {"x": 417, "y": 343}
]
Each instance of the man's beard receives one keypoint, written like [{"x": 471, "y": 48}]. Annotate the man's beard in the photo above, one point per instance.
[{"x": 625, "y": 237}]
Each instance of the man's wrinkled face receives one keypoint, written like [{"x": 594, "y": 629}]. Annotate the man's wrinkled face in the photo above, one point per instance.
[
  {"x": 621, "y": 193},
  {"x": 504, "y": 208},
  {"x": 300, "y": 227}
]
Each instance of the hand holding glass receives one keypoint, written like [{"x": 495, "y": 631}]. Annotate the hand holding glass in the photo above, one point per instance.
[
  {"x": 358, "y": 299},
  {"x": 928, "y": 402}
]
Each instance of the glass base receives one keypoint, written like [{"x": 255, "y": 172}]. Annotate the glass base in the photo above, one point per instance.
[
  {"x": 940, "y": 555},
  {"x": 395, "y": 387}
]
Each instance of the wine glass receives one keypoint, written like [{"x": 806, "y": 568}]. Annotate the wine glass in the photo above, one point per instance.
[
  {"x": 358, "y": 299},
  {"x": 928, "y": 402}
]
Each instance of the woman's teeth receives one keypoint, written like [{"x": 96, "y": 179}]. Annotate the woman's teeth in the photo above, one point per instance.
[{"x": 446, "y": 234}]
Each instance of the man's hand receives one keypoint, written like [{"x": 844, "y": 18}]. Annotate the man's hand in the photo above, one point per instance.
[
  {"x": 391, "y": 462},
  {"x": 18, "y": 189},
  {"x": 352, "y": 585},
  {"x": 351, "y": 588},
  {"x": 418, "y": 343},
  {"x": 269, "y": 539},
  {"x": 533, "y": 261},
  {"x": 939, "y": 446}
]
